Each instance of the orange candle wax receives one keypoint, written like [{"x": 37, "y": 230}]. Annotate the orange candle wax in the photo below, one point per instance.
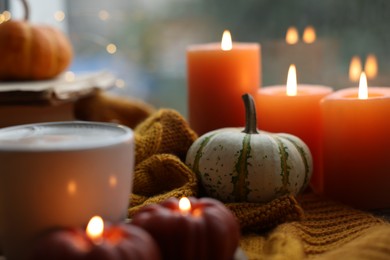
[
  {"x": 217, "y": 79},
  {"x": 294, "y": 113},
  {"x": 356, "y": 146}
]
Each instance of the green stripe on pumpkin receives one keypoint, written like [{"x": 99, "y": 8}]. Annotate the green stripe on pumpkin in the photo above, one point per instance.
[
  {"x": 304, "y": 159},
  {"x": 240, "y": 187},
  {"x": 285, "y": 168},
  {"x": 199, "y": 153}
]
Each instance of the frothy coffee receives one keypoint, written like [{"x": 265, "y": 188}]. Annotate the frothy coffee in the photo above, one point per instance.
[{"x": 62, "y": 136}]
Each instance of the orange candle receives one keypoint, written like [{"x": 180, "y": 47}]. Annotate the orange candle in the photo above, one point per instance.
[
  {"x": 357, "y": 146},
  {"x": 218, "y": 75},
  {"x": 294, "y": 109}
]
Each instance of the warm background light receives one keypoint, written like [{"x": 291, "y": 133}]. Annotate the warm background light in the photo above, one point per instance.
[
  {"x": 371, "y": 66},
  {"x": 291, "y": 87},
  {"x": 5, "y": 16},
  {"x": 355, "y": 69},
  {"x": 120, "y": 83},
  {"x": 363, "y": 88},
  {"x": 104, "y": 15},
  {"x": 95, "y": 229},
  {"x": 113, "y": 181},
  {"x": 59, "y": 16},
  {"x": 226, "y": 43},
  {"x": 71, "y": 187},
  {"x": 69, "y": 76},
  {"x": 292, "y": 36},
  {"x": 309, "y": 35},
  {"x": 111, "y": 48}
]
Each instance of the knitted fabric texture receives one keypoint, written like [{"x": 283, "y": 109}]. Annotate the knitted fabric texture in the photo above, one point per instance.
[
  {"x": 166, "y": 131},
  {"x": 162, "y": 141},
  {"x": 259, "y": 217},
  {"x": 329, "y": 231},
  {"x": 158, "y": 178}
]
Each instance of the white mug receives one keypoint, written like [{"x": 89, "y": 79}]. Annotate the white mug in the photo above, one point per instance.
[{"x": 61, "y": 174}]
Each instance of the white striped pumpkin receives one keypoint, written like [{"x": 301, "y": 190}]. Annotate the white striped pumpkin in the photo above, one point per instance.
[{"x": 235, "y": 165}]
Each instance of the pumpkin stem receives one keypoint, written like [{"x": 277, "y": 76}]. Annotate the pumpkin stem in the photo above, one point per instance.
[
  {"x": 250, "y": 115},
  {"x": 26, "y": 10}
]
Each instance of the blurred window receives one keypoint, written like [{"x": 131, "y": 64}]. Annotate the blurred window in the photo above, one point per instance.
[{"x": 144, "y": 41}]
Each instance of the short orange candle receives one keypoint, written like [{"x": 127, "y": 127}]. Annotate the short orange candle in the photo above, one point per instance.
[
  {"x": 218, "y": 75},
  {"x": 357, "y": 146},
  {"x": 294, "y": 109}
]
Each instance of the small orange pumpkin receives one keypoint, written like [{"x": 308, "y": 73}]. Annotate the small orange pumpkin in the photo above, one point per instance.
[{"x": 32, "y": 52}]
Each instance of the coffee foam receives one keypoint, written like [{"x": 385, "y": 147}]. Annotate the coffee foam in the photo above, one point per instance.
[{"x": 62, "y": 136}]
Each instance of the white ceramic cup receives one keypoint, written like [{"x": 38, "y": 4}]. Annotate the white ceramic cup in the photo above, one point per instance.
[{"x": 60, "y": 175}]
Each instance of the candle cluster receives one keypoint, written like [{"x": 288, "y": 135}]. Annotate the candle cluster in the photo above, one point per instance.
[
  {"x": 188, "y": 228},
  {"x": 346, "y": 131}
]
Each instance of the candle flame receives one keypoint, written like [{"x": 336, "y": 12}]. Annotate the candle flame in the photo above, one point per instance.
[
  {"x": 309, "y": 35},
  {"x": 226, "y": 43},
  {"x": 355, "y": 68},
  {"x": 363, "y": 88},
  {"x": 292, "y": 35},
  {"x": 95, "y": 229},
  {"x": 184, "y": 205},
  {"x": 291, "y": 88},
  {"x": 371, "y": 66}
]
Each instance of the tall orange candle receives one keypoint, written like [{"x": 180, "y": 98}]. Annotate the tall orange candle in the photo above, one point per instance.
[
  {"x": 357, "y": 146},
  {"x": 294, "y": 109},
  {"x": 218, "y": 75}
]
